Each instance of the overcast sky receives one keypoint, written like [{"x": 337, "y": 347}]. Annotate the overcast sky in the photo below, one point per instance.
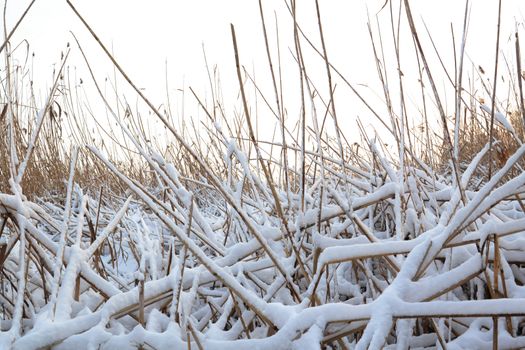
[{"x": 158, "y": 39}]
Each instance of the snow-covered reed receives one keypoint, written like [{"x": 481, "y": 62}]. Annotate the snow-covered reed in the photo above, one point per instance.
[{"x": 232, "y": 245}]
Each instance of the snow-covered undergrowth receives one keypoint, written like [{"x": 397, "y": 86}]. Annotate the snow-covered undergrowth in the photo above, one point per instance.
[
  {"x": 227, "y": 241},
  {"x": 375, "y": 257}
]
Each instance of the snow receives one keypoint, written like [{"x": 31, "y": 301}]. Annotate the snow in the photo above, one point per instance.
[
  {"x": 500, "y": 118},
  {"x": 243, "y": 276},
  {"x": 396, "y": 255}
]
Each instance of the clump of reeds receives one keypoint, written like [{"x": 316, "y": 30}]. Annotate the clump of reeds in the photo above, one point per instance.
[{"x": 220, "y": 239}]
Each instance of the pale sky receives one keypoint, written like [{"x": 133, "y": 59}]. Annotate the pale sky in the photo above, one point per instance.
[{"x": 145, "y": 36}]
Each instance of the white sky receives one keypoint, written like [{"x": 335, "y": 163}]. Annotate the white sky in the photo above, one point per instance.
[{"x": 145, "y": 35}]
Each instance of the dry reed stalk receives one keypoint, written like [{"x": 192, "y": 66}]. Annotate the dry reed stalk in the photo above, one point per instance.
[
  {"x": 493, "y": 100},
  {"x": 190, "y": 150},
  {"x": 446, "y": 134},
  {"x": 198, "y": 253},
  {"x": 13, "y": 30},
  {"x": 518, "y": 69},
  {"x": 280, "y": 115},
  {"x": 195, "y": 336},
  {"x": 268, "y": 176},
  {"x": 386, "y": 196},
  {"x": 141, "y": 302}
]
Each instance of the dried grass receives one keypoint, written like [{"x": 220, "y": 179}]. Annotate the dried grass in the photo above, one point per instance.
[{"x": 202, "y": 240}]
